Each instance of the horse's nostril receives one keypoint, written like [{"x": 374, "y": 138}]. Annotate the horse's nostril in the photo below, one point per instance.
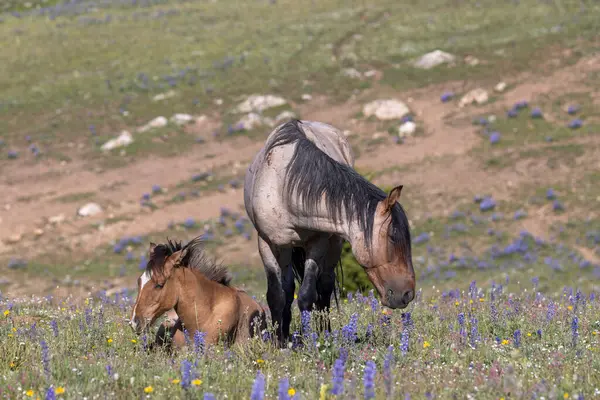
[
  {"x": 408, "y": 296},
  {"x": 390, "y": 293}
]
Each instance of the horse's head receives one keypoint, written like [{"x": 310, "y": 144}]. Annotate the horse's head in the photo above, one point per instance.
[
  {"x": 157, "y": 290},
  {"x": 388, "y": 262}
]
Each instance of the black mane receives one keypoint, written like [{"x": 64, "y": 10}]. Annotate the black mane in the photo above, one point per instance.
[
  {"x": 195, "y": 258},
  {"x": 313, "y": 174}
]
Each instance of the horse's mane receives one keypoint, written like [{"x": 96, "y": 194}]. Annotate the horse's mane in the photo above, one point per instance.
[
  {"x": 312, "y": 174},
  {"x": 195, "y": 259}
]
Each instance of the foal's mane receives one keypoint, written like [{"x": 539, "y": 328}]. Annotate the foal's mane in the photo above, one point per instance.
[
  {"x": 312, "y": 174},
  {"x": 195, "y": 259}
]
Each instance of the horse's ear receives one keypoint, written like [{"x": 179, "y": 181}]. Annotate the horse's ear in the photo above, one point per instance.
[
  {"x": 151, "y": 248},
  {"x": 391, "y": 199},
  {"x": 170, "y": 263},
  {"x": 182, "y": 253}
]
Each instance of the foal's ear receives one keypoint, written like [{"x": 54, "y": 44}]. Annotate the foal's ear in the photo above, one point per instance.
[
  {"x": 391, "y": 199},
  {"x": 151, "y": 248},
  {"x": 170, "y": 263}
]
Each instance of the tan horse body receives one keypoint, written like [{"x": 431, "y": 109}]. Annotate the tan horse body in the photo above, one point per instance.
[{"x": 202, "y": 304}]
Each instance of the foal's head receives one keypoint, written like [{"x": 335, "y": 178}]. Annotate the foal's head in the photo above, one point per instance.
[
  {"x": 156, "y": 292},
  {"x": 389, "y": 261}
]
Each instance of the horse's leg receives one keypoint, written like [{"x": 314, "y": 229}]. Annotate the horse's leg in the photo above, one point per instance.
[
  {"x": 289, "y": 286},
  {"x": 326, "y": 282},
  {"x": 315, "y": 255},
  {"x": 275, "y": 295}
]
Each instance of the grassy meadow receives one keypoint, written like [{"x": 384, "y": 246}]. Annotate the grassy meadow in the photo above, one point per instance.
[{"x": 503, "y": 197}]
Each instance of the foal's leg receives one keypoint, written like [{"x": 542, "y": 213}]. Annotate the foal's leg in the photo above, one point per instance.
[{"x": 275, "y": 295}]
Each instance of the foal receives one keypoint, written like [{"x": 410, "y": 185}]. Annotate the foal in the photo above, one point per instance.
[{"x": 183, "y": 279}]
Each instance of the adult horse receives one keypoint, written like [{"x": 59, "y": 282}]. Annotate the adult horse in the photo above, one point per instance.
[{"x": 302, "y": 194}]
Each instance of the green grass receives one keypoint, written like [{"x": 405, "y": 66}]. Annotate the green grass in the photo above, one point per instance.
[{"x": 61, "y": 76}]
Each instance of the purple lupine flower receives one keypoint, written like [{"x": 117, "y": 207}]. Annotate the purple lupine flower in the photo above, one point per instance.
[
  {"x": 199, "y": 342},
  {"x": 186, "y": 373},
  {"x": 404, "y": 341},
  {"x": 284, "y": 385},
  {"x": 156, "y": 189},
  {"x": 557, "y": 206},
  {"x": 512, "y": 113},
  {"x": 446, "y": 96},
  {"x": 487, "y": 204},
  {"x": 550, "y": 195},
  {"x": 387, "y": 371},
  {"x": 494, "y": 137},
  {"x": 422, "y": 238},
  {"x": 50, "y": 394},
  {"x": 520, "y": 214},
  {"x": 189, "y": 223},
  {"x": 374, "y": 303},
  {"x": 520, "y": 104},
  {"x": 474, "y": 332},
  {"x": 406, "y": 118},
  {"x": 258, "y": 387},
  {"x": 536, "y": 113},
  {"x": 517, "y": 338},
  {"x": 54, "y": 326},
  {"x": 209, "y": 396},
  {"x": 109, "y": 370},
  {"x": 45, "y": 358},
  {"x": 143, "y": 262},
  {"x": 338, "y": 377},
  {"x": 575, "y": 124},
  {"x": 12, "y": 154},
  {"x": 369, "y": 380},
  {"x": 349, "y": 331},
  {"x": 572, "y": 109},
  {"x": 575, "y": 329},
  {"x": 305, "y": 320},
  {"x": 551, "y": 312}
]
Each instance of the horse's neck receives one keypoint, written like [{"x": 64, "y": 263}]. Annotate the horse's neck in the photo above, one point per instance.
[{"x": 195, "y": 302}]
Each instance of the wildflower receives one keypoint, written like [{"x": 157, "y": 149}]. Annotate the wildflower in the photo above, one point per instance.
[
  {"x": 291, "y": 391},
  {"x": 426, "y": 344},
  {"x": 487, "y": 204},
  {"x": 505, "y": 342},
  {"x": 175, "y": 381},
  {"x": 575, "y": 124},
  {"x": 349, "y": 330},
  {"x": 566, "y": 396},
  {"x": 575, "y": 329},
  {"x": 536, "y": 113},
  {"x": 258, "y": 387},
  {"x": 260, "y": 361},
  {"x": 29, "y": 393},
  {"x": 59, "y": 390},
  {"x": 45, "y": 357},
  {"x": 387, "y": 371},
  {"x": 6, "y": 313},
  {"x": 186, "y": 374},
  {"x": 109, "y": 340},
  {"x": 517, "y": 337},
  {"x": 199, "y": 342},
  {"x": 133, "y": 341},
  {"x": 323, "y": 392},
  {"x": 209, "y": 396},
  {"x": 494, "y": 137},
  {"x": 197, "y": 382},
  {"x": 284, "y": 388},
  {"x": 338, "y": 377},
  {"x": 369, "y": 379},
  {"x": 50, "y": 395},
  {"x": 148, "y": 389},
  {"x": 446, "y": 96},
  {"x": 572, "y": 109}
]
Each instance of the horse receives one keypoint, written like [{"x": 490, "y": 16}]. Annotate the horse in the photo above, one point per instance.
[
  {"x": 304, "y": 198},
  {"x": 183, "y": 279}
]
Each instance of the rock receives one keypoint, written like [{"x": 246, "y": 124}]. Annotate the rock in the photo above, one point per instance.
[
  {"x": 386, "y": 109},
  {"x": 56, "y": 219},
  {"x": 90, "y": 209},
  {"x": 124, "y": 139},
  {"x": 284, "y": 116},
  {"x": 249, "y": 121},
  {"x": 181, "y": 119},
  {"x": 500, "y": 87},
  {"x": 218, "y": 102},
  {"x": 371, "y": 73},
  {"x": 12, "y": 239},
  {"x": 433, "y": 59},
  {"x": 306, "y": 97},
  {"x": 407, "y": 129},
  {"x": 472, "y": 61},
  {"x": 351, "y": 73},
  {"x": 201, "y": 119},
  {"x": 260, "y": 103},
  {"x": 478, "y": 96},
  {"x": 164, "y": 96},
  {"x": 38, "y": 232},
  {"x": 157, "y": 122}
]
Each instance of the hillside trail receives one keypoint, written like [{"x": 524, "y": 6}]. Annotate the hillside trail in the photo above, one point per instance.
[{"x": 31, "y": 194}]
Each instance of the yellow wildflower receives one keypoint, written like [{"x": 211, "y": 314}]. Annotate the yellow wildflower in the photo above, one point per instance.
[
  {"x": 109, "y": 340},
  {"x": 594, "y": 333},
  {"x": 133, "y": 341},
  {"x": 456, "y": 303},
  {"x": 29, "y": 393},
  {"x": 260, "y": 361},
  {"x": 505, "y": 341},
  {"x": 10, "y": 335},
  {"x": 87, "y": 302},
  {"x": 6, "y": 313},
  {"x": 323, "y": 392},
  {"x": 12, "y": 364},
  {"x": 148, "y": 389},
  {"x": 291, "y": 391},
  {"x": 14, "y": 329},
  {"x": 471, "y": 301},
  {"x": 295, "y": 296},
  {"x": 481, "y": 300},
  {"x": 59, "y": 390},
  {"x": 566, "y": 396},
  {"x": 570, "y": 308},
  {"x": 196, "y": 382},
  {"x": 426, "y": 344},
  {"x": 529, "y": 334},
  {"x": 176, "y": 381}
]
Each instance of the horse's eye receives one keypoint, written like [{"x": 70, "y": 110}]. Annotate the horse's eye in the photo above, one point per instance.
[{"x": 158, "y": 286}]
